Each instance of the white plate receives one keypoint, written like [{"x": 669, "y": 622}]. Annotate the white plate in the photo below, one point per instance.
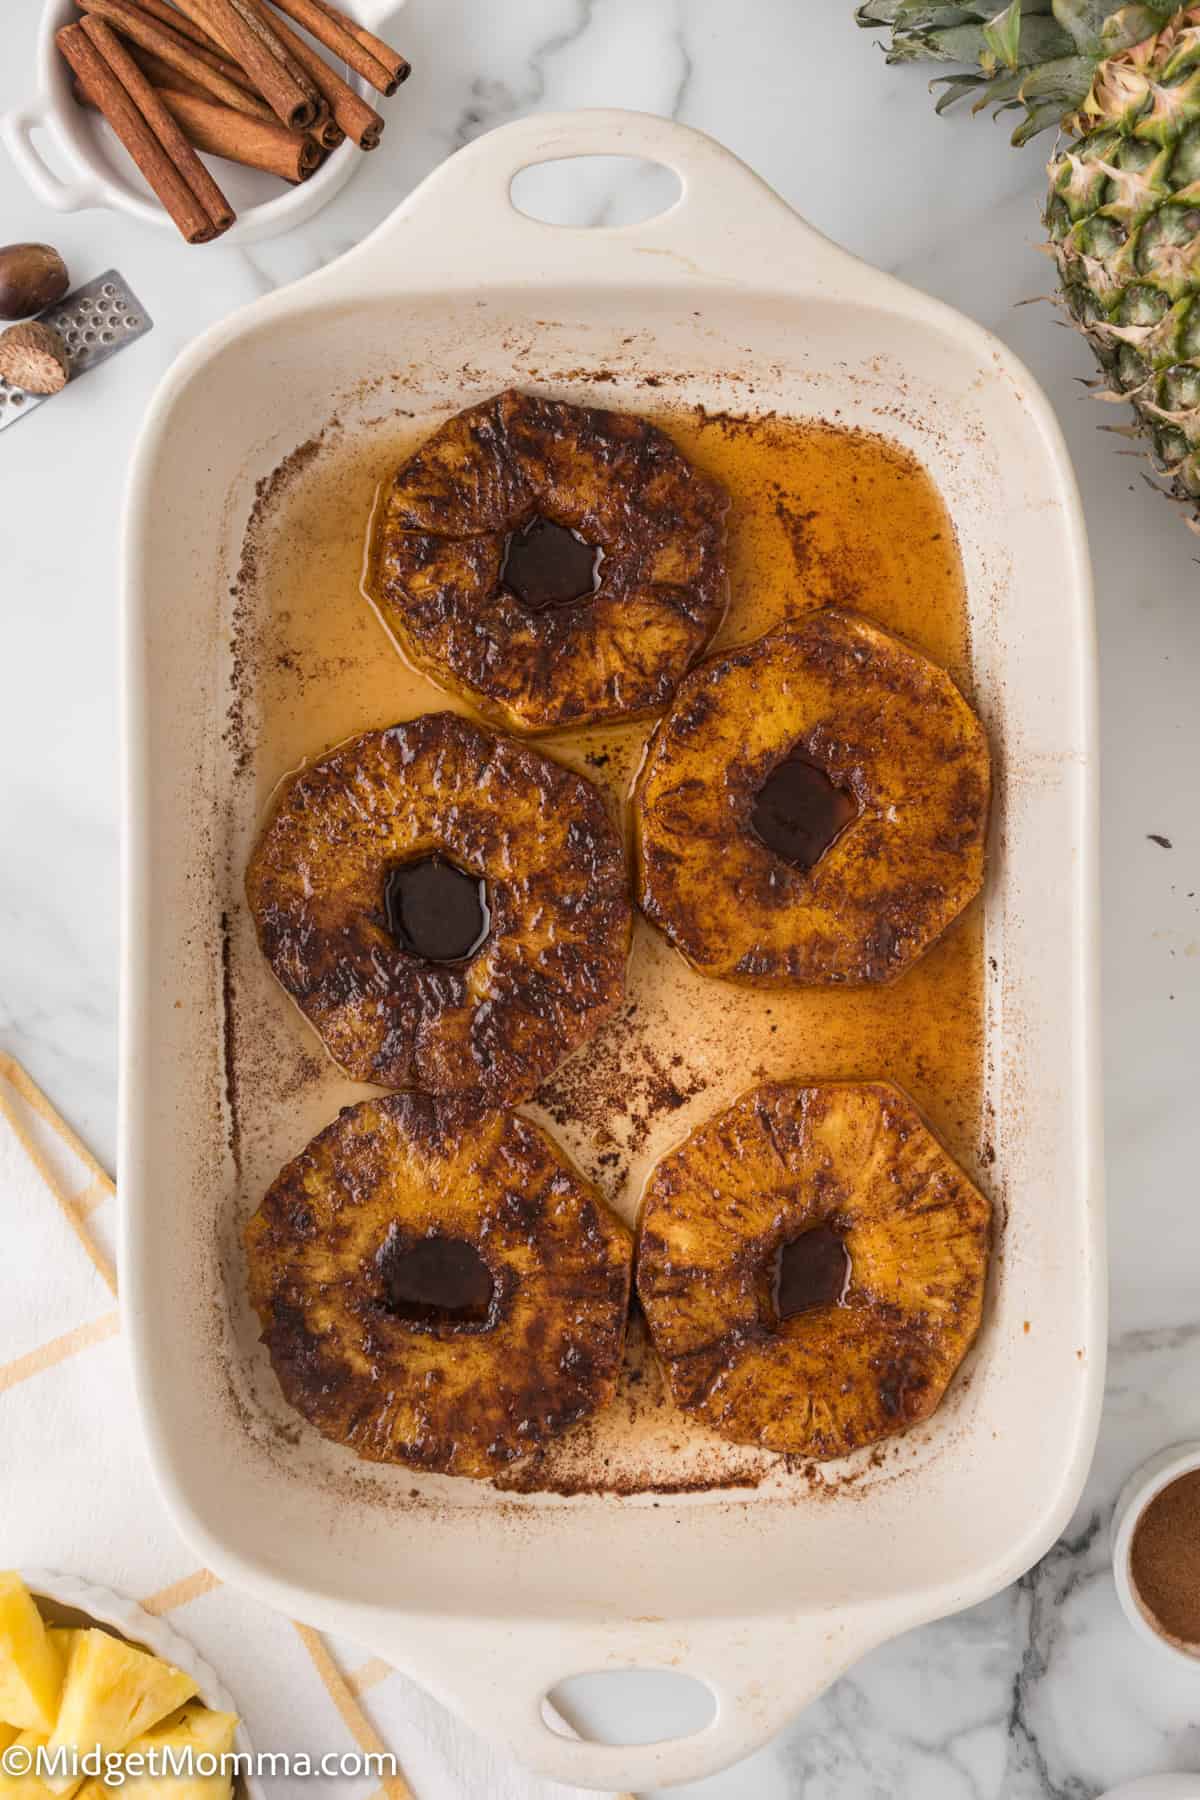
[{"x": 490, "y": 1599}]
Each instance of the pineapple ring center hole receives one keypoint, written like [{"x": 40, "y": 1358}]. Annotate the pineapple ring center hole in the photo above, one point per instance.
[
  {"x": 808, "y": 1273},
  {"x": 436, "y": 911},
  {"x": 799, "y": 813},
  {"x": 545, "y": 564},
  {"x": 434, "y": 1280}
]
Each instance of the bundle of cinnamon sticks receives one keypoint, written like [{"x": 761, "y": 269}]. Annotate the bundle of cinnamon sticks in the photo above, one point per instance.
[{"x": 232, "y": 78}]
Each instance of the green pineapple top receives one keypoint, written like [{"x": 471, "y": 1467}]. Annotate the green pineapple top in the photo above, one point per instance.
[
  {"x": 1123, "y": 211},
  {"x": 1035, "y": 55}
]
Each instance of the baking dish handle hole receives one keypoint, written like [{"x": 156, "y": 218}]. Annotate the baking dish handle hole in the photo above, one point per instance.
[
  {"x": 587, "y": 191},
  {"x": 630, "y": 1706}
]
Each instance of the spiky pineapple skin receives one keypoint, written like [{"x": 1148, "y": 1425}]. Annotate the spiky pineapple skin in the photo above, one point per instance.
[{"x": 1123, "y": 217}]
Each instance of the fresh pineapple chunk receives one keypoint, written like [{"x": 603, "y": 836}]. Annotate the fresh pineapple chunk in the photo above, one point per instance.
[
  {"x": 44, "y": 1787},
  {"x": 31, "y": 1670},
  {"x": 24, "y": 1787},
  {"x": 194, "y": 1729},
  {"x": 112, "y": 1693},
  {"x": 36, "y": 1786},
  {"x": 7, "y": 1735},
  {"x": 63, "y": 1638}
]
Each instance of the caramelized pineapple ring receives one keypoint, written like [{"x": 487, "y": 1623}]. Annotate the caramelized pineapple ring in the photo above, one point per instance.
[
  {"x": 813, "y": 808},
  {"x": 812, "y": 1265},
  {"x": 556, "y": 564},
  {"x": 448, "y": 908},
  {"x": 438, "y": 1286}
]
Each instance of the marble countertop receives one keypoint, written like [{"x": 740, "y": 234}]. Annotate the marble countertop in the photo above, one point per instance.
[{"x": 1044, "y": 1691}]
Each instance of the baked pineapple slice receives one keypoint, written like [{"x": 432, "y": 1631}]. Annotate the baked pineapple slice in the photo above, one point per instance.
[
  {"x": 113, "y": 1692},
  {"x": 556, "y": 564},
  {"x": 813, "y": 808},
  {"x": 439, "y": 1286},
  {"x": 449, "y": 908},
  {"x": 31, "y": 1667},
  {"x": 812, "y": 1264}
]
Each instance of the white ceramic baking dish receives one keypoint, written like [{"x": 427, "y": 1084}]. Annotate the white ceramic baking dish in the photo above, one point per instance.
[
  {"x": 487, "y": 1598},
  {"x": 86, "y": 166}
]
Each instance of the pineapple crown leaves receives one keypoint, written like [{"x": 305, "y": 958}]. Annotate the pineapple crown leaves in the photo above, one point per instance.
[{"x": 1038, "y": 56}]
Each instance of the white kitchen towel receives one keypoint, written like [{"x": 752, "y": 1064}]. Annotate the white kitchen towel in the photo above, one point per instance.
[{"x": 76, "y": 1495}]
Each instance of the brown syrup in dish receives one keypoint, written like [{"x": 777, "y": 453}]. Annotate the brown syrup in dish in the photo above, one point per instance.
[
  {"x": 436, "y": 911},
  {"x": 549, "y": 565},
  {"x": 811, "y": 1271},
  {"x": 799, "y": 813},
  {"x": 436, "y": 1280}
]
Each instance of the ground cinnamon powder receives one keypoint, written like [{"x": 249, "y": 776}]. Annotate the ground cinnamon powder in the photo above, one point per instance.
[{"x": 1165, "y": 1558}]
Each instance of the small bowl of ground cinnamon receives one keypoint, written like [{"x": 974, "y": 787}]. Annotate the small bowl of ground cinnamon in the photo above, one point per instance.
[{"x": 1156, "y": 1550}]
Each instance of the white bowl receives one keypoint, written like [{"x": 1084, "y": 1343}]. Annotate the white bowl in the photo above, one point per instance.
[
  {"x": 128, "y": 1619},
  {"x": 98, "y": 172},
  {"x": 1136, "y": 1495}
]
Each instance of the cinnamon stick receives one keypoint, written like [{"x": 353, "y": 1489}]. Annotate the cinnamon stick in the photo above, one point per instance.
[
  {"x": 398, "y": 67},
  {"x": 172, "y": 17},
  {"x": 164, "y": 76},
  {"x": 94, "y": 71},
  {"x": 178, "y": 53},
  {"x": 351, "y": 113},
  {"x": 326, "y": 133},
  {"x": 238, "y": 137},
  {"x": 222, "y": 20},
  {"x": 207, "y": 52},
  {"x": 253, "y": 142},
  {"x": 324, "y": 130},
  {"x": 161, "y": 122},
  {"x": 270, "y": 39},
  {"x": 335, "y": 37}
]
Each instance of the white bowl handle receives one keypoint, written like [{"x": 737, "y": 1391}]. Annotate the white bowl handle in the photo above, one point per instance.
[
  {"x": 374, "y": 14},
  {"x": 726, "y": 225},
  {"x": 16, "y": 130},
  {"x": 761, "y": 1673}
]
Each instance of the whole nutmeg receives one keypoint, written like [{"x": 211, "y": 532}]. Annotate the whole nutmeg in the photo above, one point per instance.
[
  {"x": 33, "y": 357},
  {"x": 31, "y": 276}
]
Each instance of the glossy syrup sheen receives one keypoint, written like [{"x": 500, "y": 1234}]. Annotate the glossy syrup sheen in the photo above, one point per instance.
[{"x": 818, "y": 516}]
